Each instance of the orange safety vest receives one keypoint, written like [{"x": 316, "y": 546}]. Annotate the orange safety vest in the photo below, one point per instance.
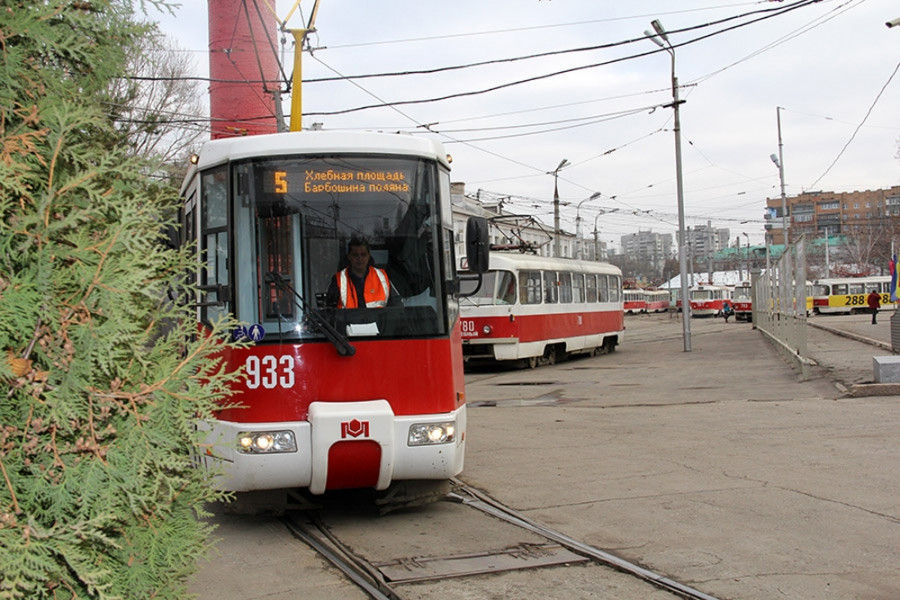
[{"x": 376, "y": 289}]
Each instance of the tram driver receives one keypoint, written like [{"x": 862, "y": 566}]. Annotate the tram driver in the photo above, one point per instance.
[{"x": 361, "y": 279}]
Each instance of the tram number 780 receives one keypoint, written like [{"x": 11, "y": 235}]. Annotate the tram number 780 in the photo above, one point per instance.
[{"x": 269, "y": 371}]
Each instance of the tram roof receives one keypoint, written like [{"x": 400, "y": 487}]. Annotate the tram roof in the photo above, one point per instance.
[
  {"x": 222, "y": 150},
  {"x": 511, "y": 261}
]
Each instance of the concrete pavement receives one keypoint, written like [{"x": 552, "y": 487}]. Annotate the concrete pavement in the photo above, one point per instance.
[{"x": 716, "y": 467}]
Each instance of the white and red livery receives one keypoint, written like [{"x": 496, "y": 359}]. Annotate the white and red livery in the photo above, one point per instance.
[
  {"x": 709, "y": 300},
  {"x": 537, "y": 309},
  {"x": 329, "y": 398},
  {"x": 635, "y": 302}
]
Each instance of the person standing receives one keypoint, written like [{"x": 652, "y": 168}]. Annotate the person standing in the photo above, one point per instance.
[{"x": 874, "y": 302}]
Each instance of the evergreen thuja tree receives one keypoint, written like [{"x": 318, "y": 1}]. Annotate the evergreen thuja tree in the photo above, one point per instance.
[{"x": 102, "y": 374}]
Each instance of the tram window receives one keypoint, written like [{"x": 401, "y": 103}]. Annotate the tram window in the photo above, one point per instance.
[
  {"x": 530, "y": 287},
  {"x": 485, "y": 294},
  {"x": 506, "y": 288},
  {"x": 214, "y": 236},
  {"x": 565, "y": 287},
  {"x": 590, "y": 287},
  {"x": 602, "y": 288},
  {"x": 839, "y": 289},
  {"x": 577, "y": 288},
  {"x": 857, "y": 288},
  {"x": 551, "y": 290},
  {"x": 294, "y": 218},
  {"x": 615, "y": 288}
]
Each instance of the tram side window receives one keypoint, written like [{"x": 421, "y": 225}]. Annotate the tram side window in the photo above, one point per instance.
[
  {"x": 839, "y": 289},
  {"x": 551, "y": 290},
  {"x": 590, "y": 288},
  {"x": 578, "y": 288},
  {"x": 530, "y": 287},
  {"x": 214, "y": 236},
  {"x": 602, "y": 288},
  {"x": 615, "y": 288},
  {"x": 565, "y": 287}
]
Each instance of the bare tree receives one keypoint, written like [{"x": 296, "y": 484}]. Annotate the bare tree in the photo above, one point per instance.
[{"x": 157, "y": 108}]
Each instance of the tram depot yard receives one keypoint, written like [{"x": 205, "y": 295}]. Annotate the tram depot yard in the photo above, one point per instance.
[{"x": 717, "y": 468}]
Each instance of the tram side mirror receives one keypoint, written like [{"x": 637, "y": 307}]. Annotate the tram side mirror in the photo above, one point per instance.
[{"x": 477, "y": 245}]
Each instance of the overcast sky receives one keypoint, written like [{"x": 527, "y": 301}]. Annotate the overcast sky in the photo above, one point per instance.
[{"x": 830, "y": 65}]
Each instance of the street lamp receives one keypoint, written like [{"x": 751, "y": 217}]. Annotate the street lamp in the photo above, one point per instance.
[
  {"x": 662, "y": 40},
  {"x": 555, "y": 172},
  {"x": 597, "y": 232},
  {"x": 779, "y": 162},
  {"x": 578, "y": 241}
]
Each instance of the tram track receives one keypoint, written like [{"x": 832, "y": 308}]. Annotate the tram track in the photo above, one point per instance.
[{"x": 384, "y": 578}]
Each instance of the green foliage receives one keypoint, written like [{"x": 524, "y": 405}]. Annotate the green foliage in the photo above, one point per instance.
[{"x": 101, "y": 372}]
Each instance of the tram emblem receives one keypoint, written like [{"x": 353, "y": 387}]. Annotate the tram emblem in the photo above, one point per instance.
[{"x": 354, "y": 428}]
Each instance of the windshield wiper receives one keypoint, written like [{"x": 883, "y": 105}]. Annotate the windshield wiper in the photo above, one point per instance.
[{"x": 339, "y": 341}]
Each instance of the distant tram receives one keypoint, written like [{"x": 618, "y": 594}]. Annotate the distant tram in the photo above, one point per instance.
[
  {"x": 847, "y": 295},
  {"x": 635, "y": 302},
  {"x": 537, "y": 310},
  {"x": 657, "y": 300},
  {"x": 742, "y": 302},
  {"x": 708, "y": 300}
]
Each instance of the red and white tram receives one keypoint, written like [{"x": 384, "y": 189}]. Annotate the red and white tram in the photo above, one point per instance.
[
  {"x": 330, "y": 398},
  {"x": 658, "y": 300},
  {"x": 708, "y": 300},
  {"x": 742, "y": 302},
  {"x": 635, "y": 302},
  {"x": 539, "y": 309}
]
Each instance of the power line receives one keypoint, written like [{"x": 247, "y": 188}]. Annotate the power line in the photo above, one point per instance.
[{"x": 858, "y": 127}]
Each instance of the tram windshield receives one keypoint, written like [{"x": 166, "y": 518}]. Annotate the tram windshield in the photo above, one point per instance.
[
  {"x": 497, "y": 287},
  {"x": 293, "y": 219}
]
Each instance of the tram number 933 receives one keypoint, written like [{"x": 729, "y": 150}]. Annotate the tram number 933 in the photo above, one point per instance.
[
  {"x": 269, "y": 372},
  {"x": 860, "y": 300}
]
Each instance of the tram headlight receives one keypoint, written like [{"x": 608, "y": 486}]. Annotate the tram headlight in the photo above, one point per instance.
[
  {"x": 487, "y": 330},
  {"x": 266, "y": 442},
  {"x": 429, "y": 434}
]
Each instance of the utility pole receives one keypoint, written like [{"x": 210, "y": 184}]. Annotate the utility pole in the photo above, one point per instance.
[
  {"x": 779, "y": 162},
  {"x": 556, "y": 232},
  {"x": 662, "y": 40}
]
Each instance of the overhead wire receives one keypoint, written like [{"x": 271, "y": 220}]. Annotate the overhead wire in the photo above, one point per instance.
[
  {"x": 766, "y": 14},
  {"x": 858, "y": 127}
]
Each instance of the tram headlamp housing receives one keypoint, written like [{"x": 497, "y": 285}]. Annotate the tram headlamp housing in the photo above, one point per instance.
[
  {"x": 266, "y": 442},
  {"x": 431, "y": 434}
]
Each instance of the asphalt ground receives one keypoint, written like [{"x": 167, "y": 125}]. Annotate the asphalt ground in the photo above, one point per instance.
[{"x": 718, "y": 467}]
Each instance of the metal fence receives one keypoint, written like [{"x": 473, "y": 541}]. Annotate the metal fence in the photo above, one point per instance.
[{"x": 780, "y": 305}]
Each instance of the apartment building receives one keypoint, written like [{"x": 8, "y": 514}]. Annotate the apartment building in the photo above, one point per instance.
[{"x": 812, "y": 213}]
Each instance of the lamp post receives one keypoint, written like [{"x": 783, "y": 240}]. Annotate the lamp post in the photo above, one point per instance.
[
  {"x": 662, "y": 40},
  {"x": 779, "y": 162},
  {"x": 578, "y": 242},
  {"x": 597, "y": 252},
  {"x": 555, "y": 172}
]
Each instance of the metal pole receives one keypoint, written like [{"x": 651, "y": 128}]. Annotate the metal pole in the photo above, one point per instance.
[
  {"x": 784, "y": 224},
  {"x": 682, "y": 259},
  {"x": 658, "y": 39},
  {"x": 556, "y": 232},
  {"x": 556, "y": 244}
]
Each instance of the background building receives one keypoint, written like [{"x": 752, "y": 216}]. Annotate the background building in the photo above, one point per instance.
[{"x": 814, "y": 213}]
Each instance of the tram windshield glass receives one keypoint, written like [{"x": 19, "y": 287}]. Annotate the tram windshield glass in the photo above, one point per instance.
[
  {"x": 292, "y": 221},
  {"x": 497, "y": 287}
]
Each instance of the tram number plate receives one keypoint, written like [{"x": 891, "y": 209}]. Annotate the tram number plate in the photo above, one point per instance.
[
  {"x": 269, "y": 371},
  {"x": 468, "y": 328},
  {"x": 861, "y": 300}
]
